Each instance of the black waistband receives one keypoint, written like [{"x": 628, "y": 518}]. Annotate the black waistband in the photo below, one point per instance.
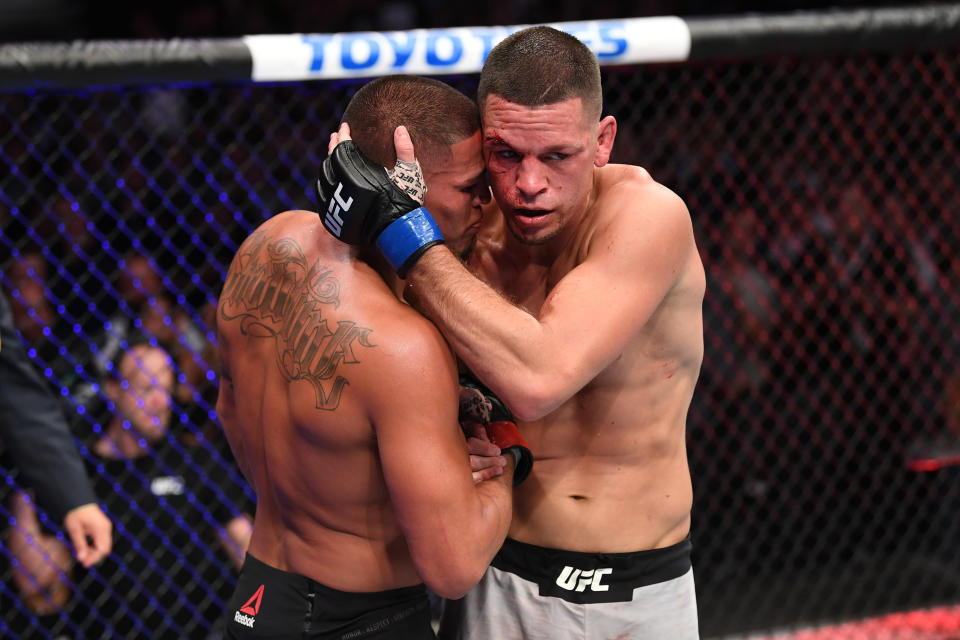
[
  {"x": 336, "y": 600},
  {"x": 269, "y": 602},
  {"x": 592, "y": 577}
]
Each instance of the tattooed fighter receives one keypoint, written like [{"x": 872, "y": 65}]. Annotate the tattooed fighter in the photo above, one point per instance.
[{"x": 341, "y": 403}]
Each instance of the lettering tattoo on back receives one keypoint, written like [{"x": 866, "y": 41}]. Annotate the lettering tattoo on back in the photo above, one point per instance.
[{"x": 273, "y": 293}]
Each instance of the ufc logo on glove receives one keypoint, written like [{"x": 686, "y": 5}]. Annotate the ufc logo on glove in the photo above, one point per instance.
[
  {"x": 333, "y": 222},
  {"x": 363, "y": 206}
]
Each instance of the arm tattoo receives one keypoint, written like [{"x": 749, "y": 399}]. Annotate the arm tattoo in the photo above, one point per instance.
[{"x": 275, "y": 295}]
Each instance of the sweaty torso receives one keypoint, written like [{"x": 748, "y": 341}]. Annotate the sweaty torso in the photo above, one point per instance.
[
  {"x": 299, "y": 322},
  {"x": 611, "y": 472}
]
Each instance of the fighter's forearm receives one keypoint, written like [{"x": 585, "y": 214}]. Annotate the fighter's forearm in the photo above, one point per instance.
[
  {"x": 478, "y": 528},
  {"x": 503, "y": 345},
  {"x": 496, "y": 499}
]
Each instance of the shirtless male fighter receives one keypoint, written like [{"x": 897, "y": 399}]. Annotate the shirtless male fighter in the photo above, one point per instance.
[
  {"x": 340, "y": 403},
  {"x": 587, "y": 322}
]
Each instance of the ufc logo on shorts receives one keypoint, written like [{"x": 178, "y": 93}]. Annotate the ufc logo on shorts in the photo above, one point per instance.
[
  {"x": 335, "y": 208},
  {"x": 576, "y": 580}
]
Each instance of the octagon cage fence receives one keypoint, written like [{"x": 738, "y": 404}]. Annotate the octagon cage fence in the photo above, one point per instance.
[{"x": 817, "y": 153}]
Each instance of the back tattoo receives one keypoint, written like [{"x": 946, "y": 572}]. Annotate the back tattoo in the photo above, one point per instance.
[{"x": 273, "y": 293}]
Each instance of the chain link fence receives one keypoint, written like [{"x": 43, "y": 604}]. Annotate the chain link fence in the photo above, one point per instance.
[{"x": 824, "y": 194}]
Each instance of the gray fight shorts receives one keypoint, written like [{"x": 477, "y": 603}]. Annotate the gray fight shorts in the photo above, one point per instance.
[{"x": 533, "y": 593}]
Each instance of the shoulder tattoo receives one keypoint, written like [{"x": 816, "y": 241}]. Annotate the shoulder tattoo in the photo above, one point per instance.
[{"x": 274, "y": 295}]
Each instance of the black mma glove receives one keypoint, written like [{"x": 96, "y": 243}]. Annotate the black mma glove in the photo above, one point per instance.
[
  {"x": 479, "y": 404},
  {"x": 361, "y": 205}
]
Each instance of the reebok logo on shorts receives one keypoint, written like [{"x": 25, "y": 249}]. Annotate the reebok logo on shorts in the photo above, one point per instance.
[{"x": 245, "y": 615}]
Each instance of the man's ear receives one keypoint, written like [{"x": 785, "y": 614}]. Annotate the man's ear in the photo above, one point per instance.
[{"x": 606, "y": 132}]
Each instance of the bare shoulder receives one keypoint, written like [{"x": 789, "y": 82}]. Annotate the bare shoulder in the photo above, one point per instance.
[
  {"x": 407, "y": 340},
  {"x": 295, "y": 223},
  {"x": 287, "y": 265},
  {"x": 629, "y": 198},
  {"x": 287, "y": 220},
  {"x": 411, "y": 357},
  {"x": 293, "y": 216}
]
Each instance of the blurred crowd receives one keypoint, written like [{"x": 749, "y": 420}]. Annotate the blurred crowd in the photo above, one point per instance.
[
  {"x": 137, "y": 372},
  {"x": 122, "y": 329}
]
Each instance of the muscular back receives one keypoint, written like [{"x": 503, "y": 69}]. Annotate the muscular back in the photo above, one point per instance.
[
  {"x": 612, "y": 473},
  {"x": 310, "y": 338}
]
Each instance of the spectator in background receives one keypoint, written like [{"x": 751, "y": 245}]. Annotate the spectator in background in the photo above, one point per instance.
[
  {"x": 34, "y": 431},
  {"x": 137, "y": 283},
  {"x": 754, "y": 299},
  {"x": 180, "y": 541},
  {"x": 173, "y": 328},
  {"x": 192, "y": 352},
  {"x": 80, "y": 263},
  {"x": 743, "y": 311},
  {"x": 200, "y": 368},
  {"x": 854, "y": 262},
  {"x": 32, "y": 311},
  {"x": 144, "y": 309},
  {"x": 197, "y": 395},
  {"x": 870, "y": 303},
  {"x": 43, "y": 327}
]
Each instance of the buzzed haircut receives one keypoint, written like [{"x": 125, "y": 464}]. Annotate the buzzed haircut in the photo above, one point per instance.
[
  {"x": 133, "y": 349},
  {"x": 435, "y": 114},
  {"x": 539, "y": 66}
]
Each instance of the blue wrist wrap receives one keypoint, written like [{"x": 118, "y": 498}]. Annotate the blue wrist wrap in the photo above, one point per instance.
[{"x": 407, "y": 237}]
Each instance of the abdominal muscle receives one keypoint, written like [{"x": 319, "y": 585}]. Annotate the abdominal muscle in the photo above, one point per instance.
[{"x": 610, "y": 485}]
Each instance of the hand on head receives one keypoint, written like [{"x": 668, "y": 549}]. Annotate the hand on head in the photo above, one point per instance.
[
  {"x": 406, "y": 174},
  {"x": 401, "y": 141},
  {"x": 403, "y": 145},
  {"x": 341, "y": 135},
  {"x": 358, "y": 201}
]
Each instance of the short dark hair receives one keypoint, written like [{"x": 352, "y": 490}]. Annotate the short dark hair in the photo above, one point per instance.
[
  {"x": 436, "y": 115},
  {"x": 539, "y": 66},
  {"x": 135, "y": 342}
]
